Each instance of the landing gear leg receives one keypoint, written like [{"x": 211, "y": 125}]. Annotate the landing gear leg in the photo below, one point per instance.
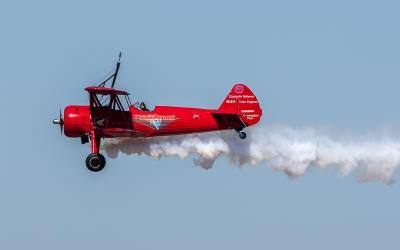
[{"x": 95, "y": 161}]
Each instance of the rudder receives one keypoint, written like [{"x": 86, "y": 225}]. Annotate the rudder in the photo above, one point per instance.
[{"x": 244, "y": 103}]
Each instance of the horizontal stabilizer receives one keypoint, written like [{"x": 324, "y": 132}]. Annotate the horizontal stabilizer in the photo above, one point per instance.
[{"x": 226, "y": 120}]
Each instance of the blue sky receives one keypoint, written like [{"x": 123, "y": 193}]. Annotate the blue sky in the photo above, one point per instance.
[{"x": 310, "y": 63}]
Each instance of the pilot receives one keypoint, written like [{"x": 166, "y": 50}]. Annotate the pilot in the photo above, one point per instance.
[{"x": 143, "y": 107}]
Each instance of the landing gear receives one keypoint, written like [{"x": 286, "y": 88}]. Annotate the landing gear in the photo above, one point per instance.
[
  {"x": 95, "y": 162},
  {"x": 242, "y": 135}
]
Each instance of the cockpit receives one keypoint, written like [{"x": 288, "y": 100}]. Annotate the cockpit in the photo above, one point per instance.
[{"x": 141, "y": 106}]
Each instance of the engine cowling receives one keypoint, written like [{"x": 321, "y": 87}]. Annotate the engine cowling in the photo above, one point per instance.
[{"x": 77, "y": 121}]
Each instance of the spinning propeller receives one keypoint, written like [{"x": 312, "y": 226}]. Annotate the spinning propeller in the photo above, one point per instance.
[{"x": 59, "y": 121}]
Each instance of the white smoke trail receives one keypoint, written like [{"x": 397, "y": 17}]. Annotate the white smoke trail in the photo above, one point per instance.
[{"x": 283, "y": 148}]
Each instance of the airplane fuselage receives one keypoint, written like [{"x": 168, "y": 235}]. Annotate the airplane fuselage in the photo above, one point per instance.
[{"x": 163, "y": 120}]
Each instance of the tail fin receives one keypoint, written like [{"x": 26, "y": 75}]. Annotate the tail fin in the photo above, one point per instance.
[{"x": 242, "y": 102}]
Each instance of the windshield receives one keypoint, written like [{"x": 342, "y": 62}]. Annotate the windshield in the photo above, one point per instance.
[{"x": 126, "y": 102}]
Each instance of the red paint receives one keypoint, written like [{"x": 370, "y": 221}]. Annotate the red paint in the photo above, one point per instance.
[
  {"x": 106, "y": 118},
  {"x": 95, "y": 142}
]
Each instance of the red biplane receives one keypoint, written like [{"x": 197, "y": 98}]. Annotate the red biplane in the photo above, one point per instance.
[{"x": 111, "y": 114}]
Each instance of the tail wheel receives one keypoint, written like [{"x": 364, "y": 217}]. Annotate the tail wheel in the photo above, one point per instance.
[
  {"x": 242, "y": 135},
  {"x": 95, "y": 162}
]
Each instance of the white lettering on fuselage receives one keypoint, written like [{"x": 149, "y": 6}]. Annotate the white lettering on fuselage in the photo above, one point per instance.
[{"x": 152, "y": 117}]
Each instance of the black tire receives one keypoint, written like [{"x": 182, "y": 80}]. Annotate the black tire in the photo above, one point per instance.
[
  {"x": 242, "y": 135},
  {"x": 95, "y": 162}
]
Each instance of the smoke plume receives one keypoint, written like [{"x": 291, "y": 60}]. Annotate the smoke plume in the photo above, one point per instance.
[{"x": 293, "y": 151}]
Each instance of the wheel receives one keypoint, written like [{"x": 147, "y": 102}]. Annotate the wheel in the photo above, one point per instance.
[
  {"x": 242, "y": 135},
  {"x": 95, "y": 162}
]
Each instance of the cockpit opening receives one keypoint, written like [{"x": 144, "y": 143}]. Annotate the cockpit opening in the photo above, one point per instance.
[{"x": 143, "y": 107}]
